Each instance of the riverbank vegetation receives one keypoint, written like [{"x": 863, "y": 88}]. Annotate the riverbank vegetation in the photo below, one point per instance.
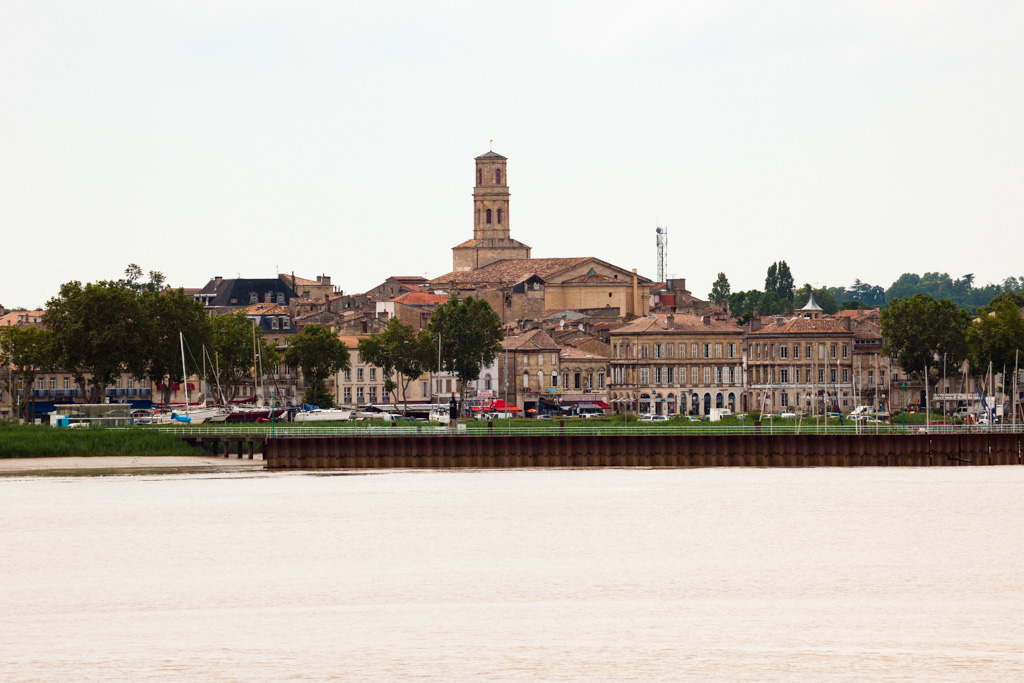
[{"x": 43, "y": 441}]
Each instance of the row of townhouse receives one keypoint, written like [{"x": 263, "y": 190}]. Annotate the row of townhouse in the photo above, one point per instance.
[{"x": 675, "y": 363}]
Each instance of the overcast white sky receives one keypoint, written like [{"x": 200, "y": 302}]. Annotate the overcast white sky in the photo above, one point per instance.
[{"x": 854, "y": 140}]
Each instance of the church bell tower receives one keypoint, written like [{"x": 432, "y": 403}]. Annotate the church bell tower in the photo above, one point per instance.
[{"x": 492, "y": 240}]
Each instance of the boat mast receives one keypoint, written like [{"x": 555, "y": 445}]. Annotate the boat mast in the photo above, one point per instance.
[{"x": 184, "y": 373}]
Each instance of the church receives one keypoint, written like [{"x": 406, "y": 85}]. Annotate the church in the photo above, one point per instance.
[{"x": 494, "y": 266}]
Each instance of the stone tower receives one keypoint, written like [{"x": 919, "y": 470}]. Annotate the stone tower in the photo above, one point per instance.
[{"x": 491, "y": 237}]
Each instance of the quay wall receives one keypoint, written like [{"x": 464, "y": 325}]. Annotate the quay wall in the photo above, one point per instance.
[{"x": 621, "y": 450}]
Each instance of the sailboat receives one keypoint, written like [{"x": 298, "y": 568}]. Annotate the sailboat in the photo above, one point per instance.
[{"x": 190, "y": 415}]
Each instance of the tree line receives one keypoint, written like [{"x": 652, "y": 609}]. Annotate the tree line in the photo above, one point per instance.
[
  {"x": 98, "y": 331},
  {"x": 780, "y": 295}
]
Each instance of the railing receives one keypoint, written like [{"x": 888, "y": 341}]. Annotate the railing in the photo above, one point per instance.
[{"x": 549, "y": 428}]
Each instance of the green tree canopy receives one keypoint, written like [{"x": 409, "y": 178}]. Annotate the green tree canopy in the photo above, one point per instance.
[
  {"x": 318, "y": 354},
  {"x": 97, "y": 332},
  {"x": 30, "y": 351},
  {"x": 720, "y": 290},
  {"x": 822, "y": 296},
  {"x": 779, "y": 280},
  {"x": 401, "y": 354},
  {"x": 234, "y": 342},
  {"x": 470, "y": 338},
  {"x": 996, "y": 337},
  {"x": 167, "y": 317},
  {"x": 921, "y": 330}
]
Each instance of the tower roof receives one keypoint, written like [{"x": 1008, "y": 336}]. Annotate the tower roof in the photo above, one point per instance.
[
  {"x": 811, "y": 305},
  {"x": 490, "y": 155}
]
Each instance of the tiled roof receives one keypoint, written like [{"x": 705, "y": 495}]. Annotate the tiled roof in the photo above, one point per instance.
[
  {"x": 512, "y": 270},
  {"x": 659, "y": 324},
  {"x": 15, "y": 318},
  {"x": 803, "y": 326},
  {"x": 408, "y": 278},
  {"x": 534, "y": 340},
  {"x": 302, "y": 281},
  {"x": 490, "y": 155},
  {"x": 421, "y": 299},
  {"x": 572, "y": 352},
  {"x": 468, "y": 243}
]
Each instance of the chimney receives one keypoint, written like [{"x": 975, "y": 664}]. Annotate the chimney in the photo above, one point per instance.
[
  {"x": 217, "y": 280},
  {"x": 706, "y": 319},
  {"x": 754, "y": 313},
  {"x": 671, "y": 322},
  {"x": 270, "y": 298},
  {"x": 846, "y": 322},
  {"x": 755, "y": 324}
]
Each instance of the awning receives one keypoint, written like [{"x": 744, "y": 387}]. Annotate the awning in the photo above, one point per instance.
[
  {"x": 500, "y": 405},
  {"x": 588, "y": 402}
]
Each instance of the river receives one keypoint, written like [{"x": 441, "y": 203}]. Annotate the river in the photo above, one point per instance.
[{"x": 712, "y": 574}]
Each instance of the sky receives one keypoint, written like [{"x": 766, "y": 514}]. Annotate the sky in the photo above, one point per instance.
[{"x": 852, "y": 140}]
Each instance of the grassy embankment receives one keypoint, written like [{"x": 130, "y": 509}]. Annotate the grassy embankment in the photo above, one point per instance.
[{"x": 43, "y": 441}]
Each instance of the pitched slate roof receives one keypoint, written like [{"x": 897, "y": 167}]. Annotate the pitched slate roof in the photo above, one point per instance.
[{"x": 491, "y": 155}]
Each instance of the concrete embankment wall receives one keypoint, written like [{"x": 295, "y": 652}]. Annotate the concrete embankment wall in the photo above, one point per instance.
[{"x": 733, "y": 450}]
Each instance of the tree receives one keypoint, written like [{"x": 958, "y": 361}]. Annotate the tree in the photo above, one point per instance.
[
  {"x": 97, "y": 332},
  {"x": 318, "y": 354},
  {"x": 30, "y": 351},
  {"x": 470, "y": 338},
  {"x": 168, "y": 317},
  {"x": 720, "y": 290},
  {"x": 131, "y": 281},
  {"x": 996, "y": 337},
  {"x": 921, "y": 330},
  {"x": 779, "y": 280},
  {"x": 401, "y": 354},
  {"x": 234, "y": 340}
]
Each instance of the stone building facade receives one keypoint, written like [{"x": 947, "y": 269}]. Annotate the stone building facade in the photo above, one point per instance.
[
  {"x": 492, "y": 240},
  {"x": 672, "y": 363}
]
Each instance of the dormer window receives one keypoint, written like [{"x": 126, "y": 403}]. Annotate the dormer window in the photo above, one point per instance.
[
  {"x": 254, "y": 298},
  {"x": 280, "y": 297},
  {"x": 286, "y": 324},
  {"x": 273, "y": 323}
]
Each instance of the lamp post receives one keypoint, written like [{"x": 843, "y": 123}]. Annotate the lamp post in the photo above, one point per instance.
[{"x": 903, "y": 408}]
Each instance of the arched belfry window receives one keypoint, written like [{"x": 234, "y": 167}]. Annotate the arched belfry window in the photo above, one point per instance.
[
  {"x": 488, "y": 216},
  {"x": 479, "y": 176},
  {"x": 497, "y": 176},
  {"x": 499, "y": 216}
]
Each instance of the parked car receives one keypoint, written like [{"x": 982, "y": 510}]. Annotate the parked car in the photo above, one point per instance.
[{"x": 653, "y": 418}]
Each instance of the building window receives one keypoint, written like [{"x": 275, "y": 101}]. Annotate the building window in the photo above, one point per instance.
[
  {"x": 783, "y": 351},
  {"x": 373, "y": 374},
  {"x": 497, "y": 176},
  {"x": 280, "y": 297},
  {"x": 487, "y": 382},
  {"x": 565, "y": 380},
  {"x": 784, "y": 375},
  {"x": 833, "y": 349},
  {"x": 576, "y": 381},
  {"x": 657, "y": 350},
  {"x": 600, "y": 380},
  {"x": 373, "y": 394},
  {"x": 67, "y": 383},
  {"x": 807, "y": 352},
  {"x": 479, "y": 176},
  {"x": 488, "y": 216},
  {"x": 693, "y": 351},
  {"x": 499, "y": 216},
  {"x": 253, "y": 298},
  {"x": 796, "y": 351},
  {"x": 540, "y": 379},
  {"x": 645, "y": 376},
  {"x": 694, "y": 375},
  {"x": 718, "y": 375},
  {"x": 682, "y": 350},
  {"x": 846, "y": 350},
  {"x": 784, "y": 399},
  {"x": 348, "y": 375},
  {"x": 657, "y": 375},
  {"x": 832, "y": 375},
  {"x": 526, "y": 359},
  {"x": 846, "y": 375},
  {"x": 286, "y": 323},
  {"x": 359, "y": 374},
  {"x": 526, "y": 380},
  {"x": 348, "y": 394},
  {"x": 273, "y": 323},
  {"x": 360, "y": 397},
  {"x": 643, "y": 350},
  {"x": 718, "y": 350},
  {"x": 554, "y": 379},
  {"x": 707, "y": 375},
  {"x": 731, "y": 350},
  {"x": 821, "y": 376}
]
